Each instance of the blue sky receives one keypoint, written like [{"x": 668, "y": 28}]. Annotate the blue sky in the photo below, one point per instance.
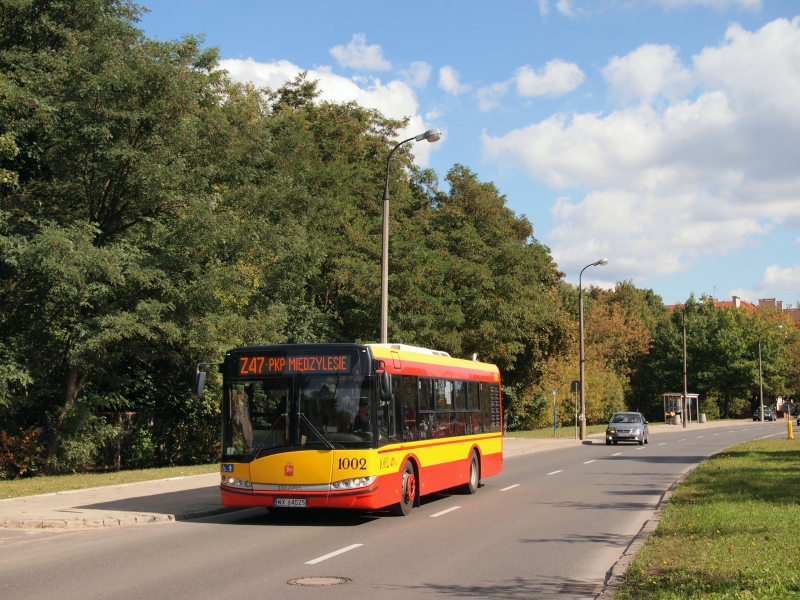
[{"x": 661, "y": 134}]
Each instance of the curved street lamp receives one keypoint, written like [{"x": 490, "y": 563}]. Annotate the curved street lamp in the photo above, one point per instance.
[
  {"x": 601, "y": 263},
  {"x": 760, "y": 375},
  {"x": 432, "y": 135}
]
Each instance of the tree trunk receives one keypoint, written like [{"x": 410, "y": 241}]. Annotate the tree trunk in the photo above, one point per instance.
[
  {"x": 727, "y": 405},
  {"x": 75, "y": 382}
]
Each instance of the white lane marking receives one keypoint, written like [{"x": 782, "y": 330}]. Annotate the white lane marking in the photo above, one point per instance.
[
  {"x": 511, "y": 487},
  {"x": 554, "y": 472},
  {"x": 699, "y": 436},
  {"x": 716, "y": 434},
  {"x": 332, "y": 554},
  {"x": 662, "y": 443},
  {"x": 641, "y": 448},
  {"x": 683, "y": 440},
  {"x": 444, "y": 512},
  {"x": 745, "y": 429},
  {"x": 617, "y": 454},
  {"x": 731, "y": 431},
  {"x": 589, "y": 461},
  {"x": 766, "y": 436}
]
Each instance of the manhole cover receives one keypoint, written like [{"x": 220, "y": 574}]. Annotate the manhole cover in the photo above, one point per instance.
[{"x": 319, "y": 581}]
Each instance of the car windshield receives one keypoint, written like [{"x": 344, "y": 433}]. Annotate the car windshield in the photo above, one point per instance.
[{"x": 626, "y": 418}]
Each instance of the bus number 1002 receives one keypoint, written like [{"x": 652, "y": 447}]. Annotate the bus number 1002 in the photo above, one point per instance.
[{"x": 355, "y": 463}]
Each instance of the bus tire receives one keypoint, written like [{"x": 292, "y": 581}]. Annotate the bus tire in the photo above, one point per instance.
[
  {"x": 408, "y": 491},
  {"x": 474, "y": 476}
]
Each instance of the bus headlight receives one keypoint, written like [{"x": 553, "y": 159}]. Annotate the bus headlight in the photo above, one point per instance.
[{"x": 358, "y": 482}]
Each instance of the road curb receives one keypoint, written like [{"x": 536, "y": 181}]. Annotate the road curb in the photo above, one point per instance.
[
  {"x": 114, "y": 522},
  {"x": 615, "y": 574}
]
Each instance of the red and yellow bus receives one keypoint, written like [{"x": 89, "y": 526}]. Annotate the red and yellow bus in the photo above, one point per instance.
[{"x": 365, "y": 426}]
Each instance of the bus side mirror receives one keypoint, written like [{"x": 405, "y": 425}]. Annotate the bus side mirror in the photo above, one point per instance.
[
  {"x": 386, "y": 387},
  {"x": 199, "y": 383}
]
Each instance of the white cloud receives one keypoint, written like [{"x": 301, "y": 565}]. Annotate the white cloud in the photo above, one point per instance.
[
  {"x": 647, "y": 72},
  {"x": 669, "y": 180},
  {"x": 433, "y": 114},
  {"x": 544, "y": 7},
  {"x": 489, "y": 97},
  {"x": 565, "y": 8},
  {"x": 775, "y": 283},
  {"x": 719, "y": 5},
  {"x": 417, "y": 74},
  {"x": 558, "y": 77},
  {"x": 358, "y": 55},
  {"x": 394, "y": 99},
  {"x": 449, "y": 81}
]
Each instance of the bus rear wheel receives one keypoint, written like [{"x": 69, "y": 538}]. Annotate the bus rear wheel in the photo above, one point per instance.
[
  {"x": 408, "y": 493},
  {"x": 474, "y": 476}
]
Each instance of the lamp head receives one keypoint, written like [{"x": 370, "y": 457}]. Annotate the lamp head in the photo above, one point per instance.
[
  {"x": 432, "y": 135},
  {"x": 779, "y": 327},
  {"x": 602, "y": 262}
]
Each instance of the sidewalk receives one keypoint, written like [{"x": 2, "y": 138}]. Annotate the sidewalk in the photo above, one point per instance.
[{"x": 197, "y": 496}]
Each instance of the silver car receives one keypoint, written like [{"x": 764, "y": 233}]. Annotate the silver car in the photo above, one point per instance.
[{"x": 627, "y": 427}]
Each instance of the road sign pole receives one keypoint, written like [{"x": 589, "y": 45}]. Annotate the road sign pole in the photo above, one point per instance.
[{"x": 554, "y": 413}]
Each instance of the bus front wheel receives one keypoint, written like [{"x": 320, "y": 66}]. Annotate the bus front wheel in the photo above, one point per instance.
[{"x": 408, "y": 493}]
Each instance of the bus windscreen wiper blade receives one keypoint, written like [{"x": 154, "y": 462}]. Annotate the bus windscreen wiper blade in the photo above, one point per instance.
[{"x": 305, "y": 420}]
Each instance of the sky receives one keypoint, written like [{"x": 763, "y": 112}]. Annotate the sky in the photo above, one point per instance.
[{"x": 659, "y": 134}]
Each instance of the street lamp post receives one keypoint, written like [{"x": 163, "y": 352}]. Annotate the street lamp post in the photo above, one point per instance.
[
  {"x": 602, "y": 262},
  {"x": 685, "y": 383},
  {"x": 760, "y": 375},
  {"x": 432, "y": 135}
]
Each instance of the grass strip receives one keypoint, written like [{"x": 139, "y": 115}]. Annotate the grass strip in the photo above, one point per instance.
[
  {"x": 729, "y": 530},
  {"x": 63, "y": 483}
]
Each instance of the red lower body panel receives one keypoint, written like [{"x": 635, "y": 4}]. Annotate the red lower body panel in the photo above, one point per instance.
[{"x": 384, "y": 492}]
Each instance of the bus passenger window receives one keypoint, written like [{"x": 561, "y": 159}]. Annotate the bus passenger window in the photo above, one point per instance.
[
  {"x": 425, "y": 394},
  {"x": 460, "y": 395},
  {"x": 408, "y": 399},
  {"x": 486, "y": 407},
  {"x": 427, "y": 425},
  {"x": 473, "y": 402},
  {"x": 444, "y": 394},
  {"x": 463, "y": 424}
]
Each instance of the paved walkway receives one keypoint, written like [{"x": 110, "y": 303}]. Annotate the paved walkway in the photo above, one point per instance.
[{"x": 193, "y": 497}]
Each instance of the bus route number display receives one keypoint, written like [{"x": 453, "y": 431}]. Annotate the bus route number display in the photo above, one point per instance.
[{"x": 266, "y": 365}]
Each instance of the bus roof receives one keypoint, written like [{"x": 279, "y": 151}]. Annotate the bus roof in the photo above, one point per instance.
[{"x": 412, "y": 360}]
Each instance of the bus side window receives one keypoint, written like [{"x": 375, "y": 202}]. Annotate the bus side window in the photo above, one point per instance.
[
  {"x": 486, "y": 407},
  {"x": 426, "y": 418},
  {"x": 407, "y": 401},
  {"x": 474, "y": 407}
]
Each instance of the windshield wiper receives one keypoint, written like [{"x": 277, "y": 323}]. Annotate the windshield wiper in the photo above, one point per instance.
[
  {"x": 305, "y": 420},
  {"x": 282, "y": 417}
]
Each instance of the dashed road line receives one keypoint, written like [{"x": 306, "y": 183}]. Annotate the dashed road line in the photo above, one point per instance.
[
  {"x": 589, "y": 461},
  {"x": 444, "y": 512},
  {"x": 716, "y": 434},
  {"x": 554, "y": 472},
  {"x": 683, "y": 440},
  {"x": 662, "y": 443},
  {"x": 641, "y": 448},
  {"x": 511, "y": 487},
  {"x": 617, "y": 454},
  {"x": 332, "y": 554},
  {"x": 699, "y": 436}
]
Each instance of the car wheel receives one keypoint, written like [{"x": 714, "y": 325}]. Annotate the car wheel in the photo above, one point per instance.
[
  {"x": 647, "y": 440},
  {"x": 641, "y": 441}
]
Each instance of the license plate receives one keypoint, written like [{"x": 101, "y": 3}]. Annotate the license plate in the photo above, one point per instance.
[{"x": 291, "y": 502}]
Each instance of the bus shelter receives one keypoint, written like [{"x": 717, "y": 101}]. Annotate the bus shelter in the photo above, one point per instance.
[{"x": 673, "y": 406}]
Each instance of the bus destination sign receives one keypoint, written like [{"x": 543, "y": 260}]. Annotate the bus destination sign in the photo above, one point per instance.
[{"x": 266, "y": 365}]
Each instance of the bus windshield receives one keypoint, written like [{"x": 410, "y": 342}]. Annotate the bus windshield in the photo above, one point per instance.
[{"x": 282, "y": 413}]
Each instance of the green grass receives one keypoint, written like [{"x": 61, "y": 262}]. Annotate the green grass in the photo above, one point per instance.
[
  {"x": 62, "y": 483},
  {"x": 730, "y": 530}
]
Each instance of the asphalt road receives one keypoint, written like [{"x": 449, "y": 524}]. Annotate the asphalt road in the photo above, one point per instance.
[{"x": 550, "y": 526}]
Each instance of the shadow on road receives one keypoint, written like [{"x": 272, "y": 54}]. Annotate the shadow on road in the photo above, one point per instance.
[{"x": 519, "y": 587}]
